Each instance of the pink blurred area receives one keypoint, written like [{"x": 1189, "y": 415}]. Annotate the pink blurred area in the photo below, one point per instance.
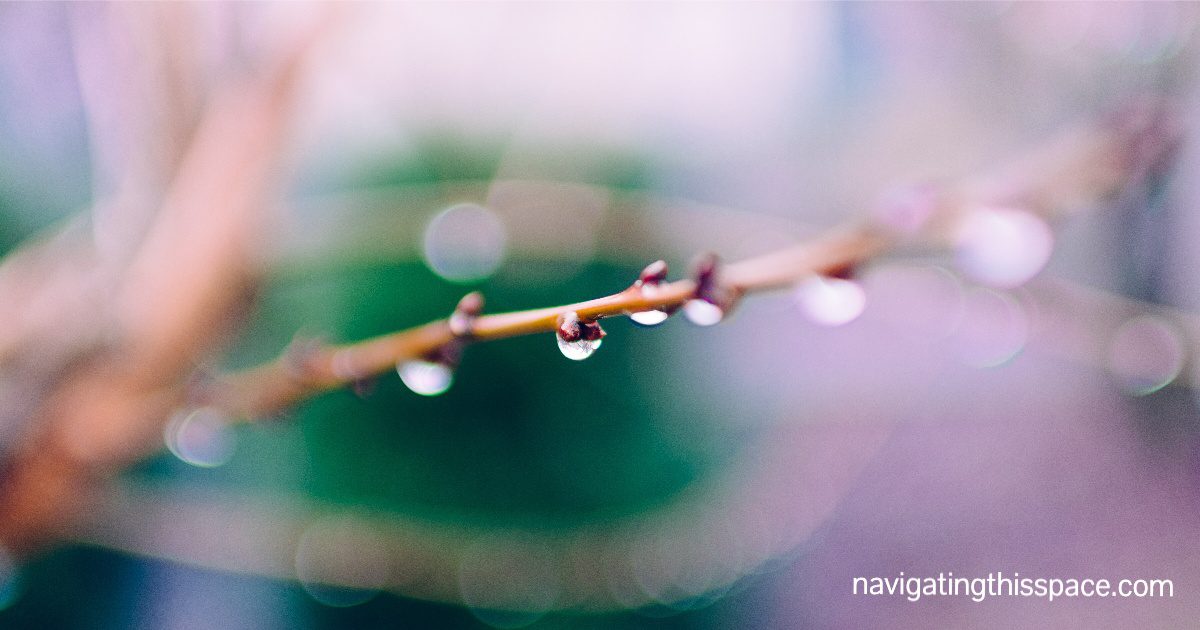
[
  {"x": 1039, "y": 466},
  {"x": 951, "y": 428}
]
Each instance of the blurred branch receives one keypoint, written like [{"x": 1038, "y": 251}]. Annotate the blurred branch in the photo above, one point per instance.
[{"x": 102, "y": 405}]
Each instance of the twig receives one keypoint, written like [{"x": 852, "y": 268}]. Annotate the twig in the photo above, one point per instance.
[{"x": 1078, "y": 169}]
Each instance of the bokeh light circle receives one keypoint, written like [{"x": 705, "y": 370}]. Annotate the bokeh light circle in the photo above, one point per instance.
[
  {"x": 427, "y": 378},
  {"x": 1003, "y": 247},
  {"x": 831, "y": 301},
  {"x": 465, "y": 243},
  {"x": 201, "y": 437},
  {"x": 702, "y": 312},
  {"x": 1145, "y": 355},
  {"x": 994, "y": 328}
]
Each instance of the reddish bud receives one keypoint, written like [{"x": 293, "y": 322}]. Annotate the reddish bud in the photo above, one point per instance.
[
  {"x": 704, "y": 272},
  {"x": 654, "y": 273},
  {"x": 709, "y": 290},
  {"x": 571, "y": 328},
  {"x": 462, "y": 320},
  {"x": 471, "y": 304},
  {"x": 592, "y": 331},
  {"x": 845, "y": 271},
  {"x": 448, "y": 355},
  {"x": 363, "y": 387},
  {"x": 1149, "y": 134}
]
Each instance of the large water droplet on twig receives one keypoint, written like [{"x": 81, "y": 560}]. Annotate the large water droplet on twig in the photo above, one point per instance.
[
  {"x": 579, "y": 349},
  {"x": 649, "y": 318},
  {"x": 649, "y": 283},
  {"x": 831, "y": 301},
  {"x": 702, "y": 312},
  {"x": 1003, "y": 247},
  {"x": 427, "y": 378}
]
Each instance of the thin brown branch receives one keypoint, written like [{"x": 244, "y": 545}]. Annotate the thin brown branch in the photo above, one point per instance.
[{"x": 1080, "y": 168}]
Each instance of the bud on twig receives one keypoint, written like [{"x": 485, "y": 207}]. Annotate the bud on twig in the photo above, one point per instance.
[
  {"x": 363, "y": 387},
  {"x": 571, "y": 328},
  {"x": 462, "y": 320},
  {"x": 433, "y": 373},
  {"x": 704, "y": 271},
  {"x": 845, "y": 271},
  {"x": 577, "y": 339},
  {"x": 648, "y": 283},
  {"x": 654, "y": 273},
  {"x": 712, "y": 301}
]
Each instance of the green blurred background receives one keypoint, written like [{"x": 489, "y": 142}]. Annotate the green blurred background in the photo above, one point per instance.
[{"x": 524, "y": 440}]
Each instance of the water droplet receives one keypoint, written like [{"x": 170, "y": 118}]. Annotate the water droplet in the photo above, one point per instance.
[
  {"x": 200, "y": 437},
  {"x": 831, "y": 301},
  {"x": 649, "y": 318},
  {"x": 1003, "y": 247},
  {"x": 427, "y": 378},
  {"x": 649, "y": 283},
  {"x": 578, "y": 350},
  {"x": 1146, "y": 355},
  {"x": 702, "y": 312}
]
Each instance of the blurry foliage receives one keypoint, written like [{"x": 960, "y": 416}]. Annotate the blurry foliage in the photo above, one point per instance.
[
  {"x": 433, "y": 158},
  {"x": 11, "y": 230},
  {"x": 23, "y": 215}
]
